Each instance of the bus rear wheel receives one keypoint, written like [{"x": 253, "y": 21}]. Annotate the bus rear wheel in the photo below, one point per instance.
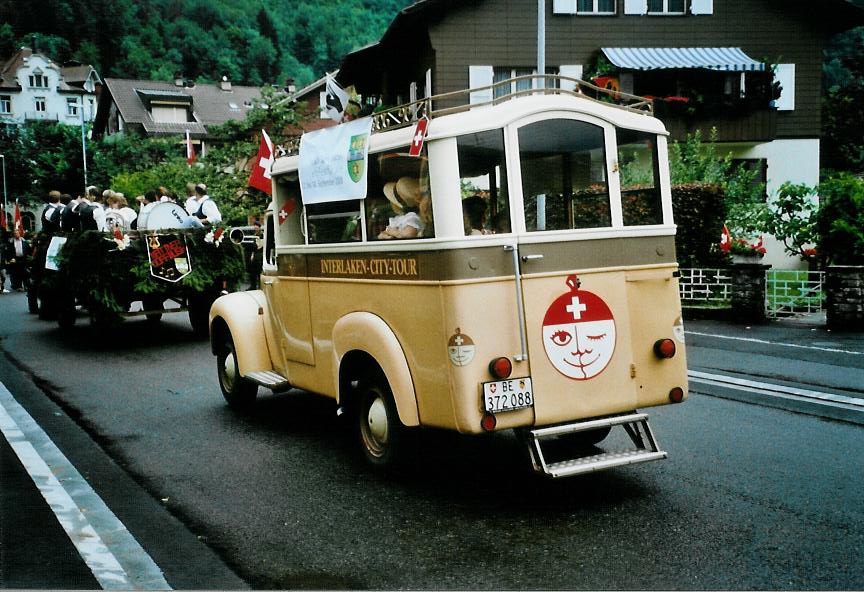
[{"x": 384, "y": 440}]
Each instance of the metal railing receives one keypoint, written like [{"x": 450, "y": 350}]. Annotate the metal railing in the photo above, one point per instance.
[
  {"x": 705, "y": 286},
  {"x": 550, "y": 84},
  {"x": 788, "y": 293},
  {"x": 794, "y": 293}
]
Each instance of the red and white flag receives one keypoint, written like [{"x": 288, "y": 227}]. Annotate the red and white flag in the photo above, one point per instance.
[
  {"x": 260, "y": 176},
  {"x": 725, "y": 240},
  {"x": 18, "y": 225},
  {"x": 420, "y": 131},
  {"x": 190, "y": 150},
  {"x": 287, "y": 209}
]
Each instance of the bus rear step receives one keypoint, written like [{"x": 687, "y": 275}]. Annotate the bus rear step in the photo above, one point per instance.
[{"x": 635, "y": 425}]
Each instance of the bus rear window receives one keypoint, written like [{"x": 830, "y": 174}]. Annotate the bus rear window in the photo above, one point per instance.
[
  {"x": 564, "y": 185},
  {"x": 640, "y": 184}
]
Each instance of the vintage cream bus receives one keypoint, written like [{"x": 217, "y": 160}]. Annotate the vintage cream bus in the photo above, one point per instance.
[{"x": 514, "y": 270}]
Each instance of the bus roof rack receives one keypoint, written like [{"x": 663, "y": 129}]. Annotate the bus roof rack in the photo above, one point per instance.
[{"x": 550, "y": 84}]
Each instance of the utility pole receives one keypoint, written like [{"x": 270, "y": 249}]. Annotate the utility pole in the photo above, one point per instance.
[
  {"x": 88, "y": 87},
  {"x": 541, "y": 43}
]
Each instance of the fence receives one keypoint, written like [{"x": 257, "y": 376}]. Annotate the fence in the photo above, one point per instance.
[
  {"x": 705, "y": 287},
  {"x": 793, "y": 293},
  {"x": 788, "y": 293}
]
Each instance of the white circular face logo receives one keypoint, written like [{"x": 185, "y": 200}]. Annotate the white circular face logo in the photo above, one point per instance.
[
  {"x": 579, "y": 333},
  {"x": 461, "y": 349}
]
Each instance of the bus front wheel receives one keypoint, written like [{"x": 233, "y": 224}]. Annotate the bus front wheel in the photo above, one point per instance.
[{"x": 239, "y": 392}]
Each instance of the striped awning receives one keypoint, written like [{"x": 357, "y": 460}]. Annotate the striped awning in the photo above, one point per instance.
[{"x": 730, "y": 59}]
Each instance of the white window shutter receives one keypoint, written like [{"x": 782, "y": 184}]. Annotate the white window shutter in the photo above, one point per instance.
[
  {"x": 564, "y": 6},
  {"x": 785, "y": 75},
  {"x": 480, "y": 76},
  {"x": 635, "y": 6},
  {"x": 702, "y": 7},
  {"x": 574, "y": 71}
]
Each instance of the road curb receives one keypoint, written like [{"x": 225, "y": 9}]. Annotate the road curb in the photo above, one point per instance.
[{"x": 844, "y": 408}]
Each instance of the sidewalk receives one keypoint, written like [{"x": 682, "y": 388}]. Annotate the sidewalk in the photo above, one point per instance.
[{"x": 35, "y": 552}]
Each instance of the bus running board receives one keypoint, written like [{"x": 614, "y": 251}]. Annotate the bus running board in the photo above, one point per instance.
[
  {"x": 636, "y": 426},
  {"x": 269, "y": 379}
]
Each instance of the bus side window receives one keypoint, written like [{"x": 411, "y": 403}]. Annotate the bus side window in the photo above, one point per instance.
[
  {"x": 286, "y": 197},
  {"x": 564, "y": 184},
  {"x": 334, "y": 222},
  {"x": 640, "y": 182},
  {"x": 483, "y": 178},
  {"x": 399, "y": 201}
]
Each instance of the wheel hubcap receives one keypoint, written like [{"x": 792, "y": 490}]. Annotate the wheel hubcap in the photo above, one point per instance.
[
  {"x": 376, "y": 428},
  {"x": 228, "y": 370}
]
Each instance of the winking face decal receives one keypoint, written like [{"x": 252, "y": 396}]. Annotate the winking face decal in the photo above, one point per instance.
[{"x": 579, "y": 333}]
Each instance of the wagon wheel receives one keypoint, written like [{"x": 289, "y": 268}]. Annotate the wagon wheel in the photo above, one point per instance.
[
  {"x": 199, "y": 312},
  {"x": 154, "y": 303}
]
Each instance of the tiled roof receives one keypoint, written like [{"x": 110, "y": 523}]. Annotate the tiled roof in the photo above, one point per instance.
[
  {"x": 71, "y": 78},
  {"x": 210, "y": 104}
]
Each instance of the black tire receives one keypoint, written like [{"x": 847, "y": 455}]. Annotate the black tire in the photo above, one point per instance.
[
  {"x": 589, "y": 438},
  {"x": 239, "y": 392},
  {"x": 199, "y": 313},
  {"x": 66, "y": 314},
  {"x": 32, "y": 299},
  {"x": 153, "y": 304},
  {"x": 385, "y": 442}
]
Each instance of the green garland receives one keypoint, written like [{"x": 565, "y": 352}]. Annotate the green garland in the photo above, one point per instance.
[{"x": 95, "y": 269}]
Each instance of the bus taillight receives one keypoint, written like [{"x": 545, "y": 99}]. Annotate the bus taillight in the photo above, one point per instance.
[
  {"x": 501, "y": 368},
  {"x": 664, "y": 348}
]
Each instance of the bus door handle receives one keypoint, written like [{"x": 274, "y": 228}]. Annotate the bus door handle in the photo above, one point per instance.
[
  {"x": 527, "y": 258},
  {"x": 520, "y": 304}
]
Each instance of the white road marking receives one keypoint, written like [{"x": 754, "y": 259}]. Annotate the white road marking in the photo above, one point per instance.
[
  {"x": 110, "y": 551},
  {"x": 780, "y": 344},
  {"x": 773, "y": 389}
]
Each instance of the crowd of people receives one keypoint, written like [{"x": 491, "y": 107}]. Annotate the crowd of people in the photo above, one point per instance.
[{"x": 98, "y": 210}]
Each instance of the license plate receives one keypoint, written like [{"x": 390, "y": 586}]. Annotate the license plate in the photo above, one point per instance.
[{"x": 507, "y": 395}]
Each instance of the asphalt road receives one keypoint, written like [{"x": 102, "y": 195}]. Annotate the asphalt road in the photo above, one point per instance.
[{"x": 750, "y": 497}]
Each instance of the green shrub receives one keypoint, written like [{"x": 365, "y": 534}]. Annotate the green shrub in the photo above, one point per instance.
[
  {"x": 840, "y": 222},
  {"x": 700, "y": 210}
]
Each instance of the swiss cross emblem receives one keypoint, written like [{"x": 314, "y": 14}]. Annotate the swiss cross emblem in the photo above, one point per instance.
[
  {"x": 418, "y": 137},
  {"x": 287, "y": 209}
]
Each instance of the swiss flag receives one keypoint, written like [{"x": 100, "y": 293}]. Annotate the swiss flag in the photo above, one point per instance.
[
  {"x": 725, "y": 240},
  {"x": 190, "y": 150},
  {"x": 418, "y": 137},
  {"x": 287, "y": 209},
  {"x": 260, "y": 177}
]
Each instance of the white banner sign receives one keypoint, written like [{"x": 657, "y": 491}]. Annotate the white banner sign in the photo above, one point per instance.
[
  {"x": 54, "y": 248},
  {"x": 333, "y": 162}
]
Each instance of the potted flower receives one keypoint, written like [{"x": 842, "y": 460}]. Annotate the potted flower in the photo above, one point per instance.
[{"x": 747, "y": 251}]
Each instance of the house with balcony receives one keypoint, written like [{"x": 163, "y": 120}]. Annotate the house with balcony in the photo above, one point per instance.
[
  {"x": 163, "y": 109},
  {"x": 750, "y": 69},
  {"x": 35, "y": 88}
]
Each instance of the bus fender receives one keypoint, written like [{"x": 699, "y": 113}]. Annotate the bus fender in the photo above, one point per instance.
[
  {"x": 243, "y": 315},
  {"x": 366, "y": 332}
]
